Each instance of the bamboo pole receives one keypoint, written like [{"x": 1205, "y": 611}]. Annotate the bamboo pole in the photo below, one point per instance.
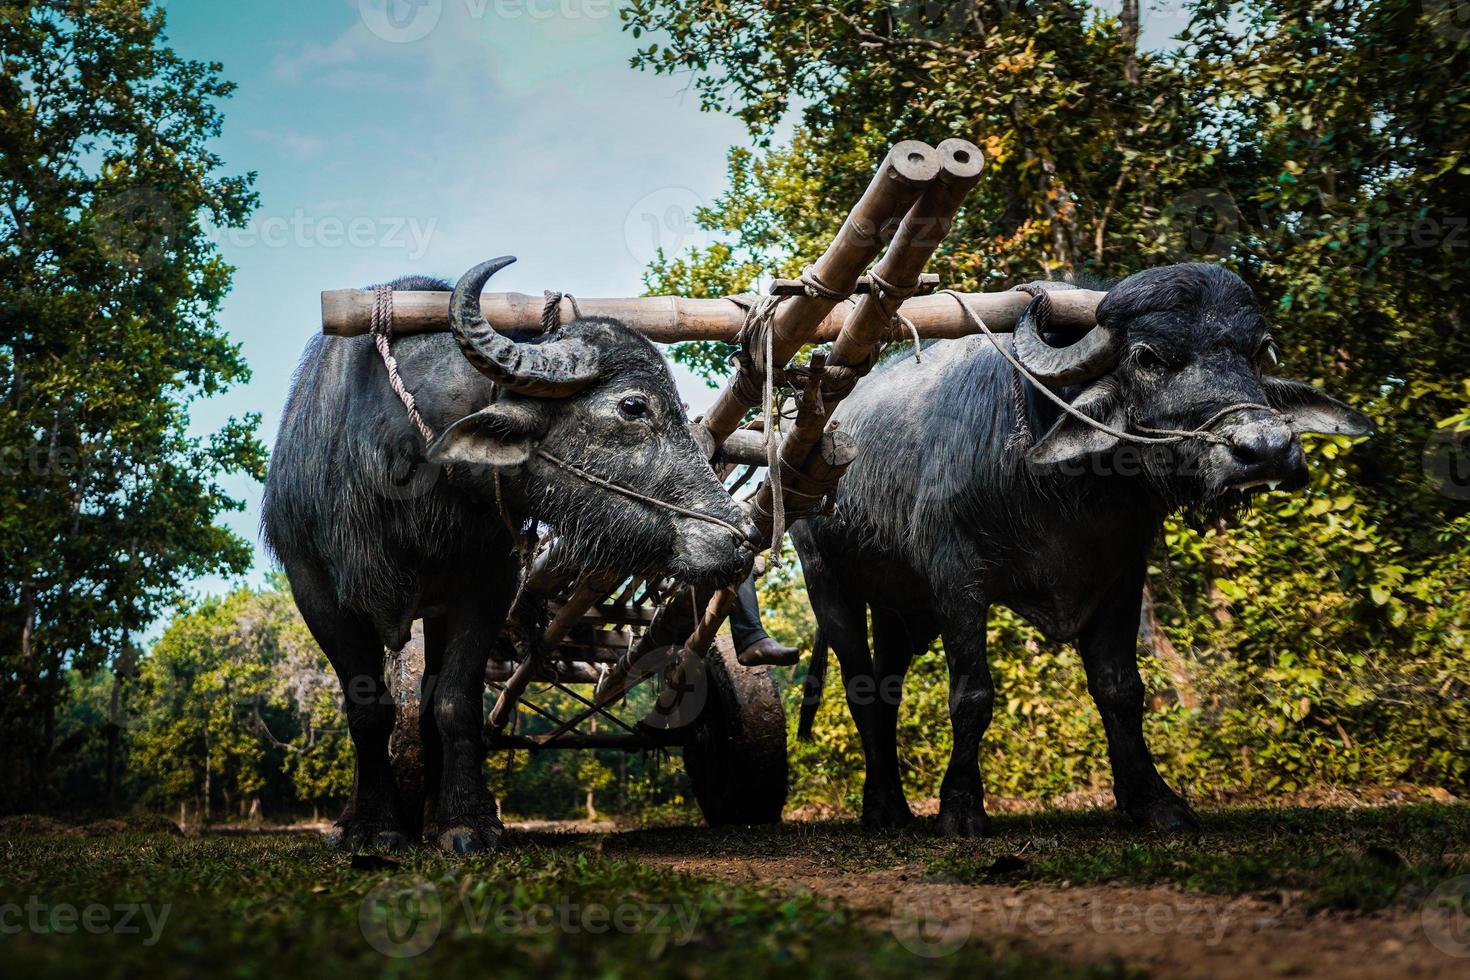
[
  {"x": 676, "y": 319},
  {"x": 922, "y": 230},
  {"x": 909, "y": 166}
]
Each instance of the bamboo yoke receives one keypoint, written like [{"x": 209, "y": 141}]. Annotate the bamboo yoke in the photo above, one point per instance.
[{"x": 904, "y": 214}]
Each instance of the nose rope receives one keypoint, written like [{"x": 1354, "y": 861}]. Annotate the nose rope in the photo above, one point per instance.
[
  {"x": 634, "y": 494},
  {"x": 1156, "y": 437}
]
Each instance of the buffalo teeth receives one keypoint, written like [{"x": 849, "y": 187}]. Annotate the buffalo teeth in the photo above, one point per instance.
[{"x": 1252, "y": 484}]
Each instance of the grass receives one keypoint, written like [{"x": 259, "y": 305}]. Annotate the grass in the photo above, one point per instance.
[
  {"x": 1339, "y": 858},
  {"x": 592, "y": 906},
  {"x": 281, "y": 906}
]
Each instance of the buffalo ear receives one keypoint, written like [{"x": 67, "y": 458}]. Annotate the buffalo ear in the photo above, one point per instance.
[
  {"x": 1309, "y": 410},
  {"x": 500, "y": 434},
  {"x": 1071, "y": 439}
]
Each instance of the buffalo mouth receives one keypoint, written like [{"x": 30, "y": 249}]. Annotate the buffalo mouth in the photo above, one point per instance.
[{"x": 1286, "y": 472}]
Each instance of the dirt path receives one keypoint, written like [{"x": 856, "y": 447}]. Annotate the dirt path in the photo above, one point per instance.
[{"x": 1169, "y": 933}]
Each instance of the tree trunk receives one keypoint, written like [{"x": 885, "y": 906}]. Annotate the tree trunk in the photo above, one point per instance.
[
  {"x": 207, "y": 773},
  {"x": 1128, "y": 34}
]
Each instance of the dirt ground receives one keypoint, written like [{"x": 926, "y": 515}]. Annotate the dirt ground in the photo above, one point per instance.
[
  {"x": 1162, "y": 930},
  {"x": 1165, "y": 931}
]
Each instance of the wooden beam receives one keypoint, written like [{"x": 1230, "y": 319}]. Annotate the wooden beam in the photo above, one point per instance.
[{"x": 675, "y": 319}]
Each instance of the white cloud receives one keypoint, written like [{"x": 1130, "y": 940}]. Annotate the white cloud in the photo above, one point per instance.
[{"x": 297, "y": 146}]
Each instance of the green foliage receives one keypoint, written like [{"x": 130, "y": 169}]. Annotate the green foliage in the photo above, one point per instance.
[
  {"x": 1318, "y": 148},
  {"x": 237, "y": 700},
  {"x": 109, "y": 286}
]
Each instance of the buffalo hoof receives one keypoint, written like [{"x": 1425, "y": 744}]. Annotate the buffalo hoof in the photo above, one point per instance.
[
  {"x": 887, "y": 814},
  {"x": 963, "y": 820},
  {"x": 467, "y": 840},
  {"x": 1170, "y": 815},
  {"x": 363, "y": 833}
]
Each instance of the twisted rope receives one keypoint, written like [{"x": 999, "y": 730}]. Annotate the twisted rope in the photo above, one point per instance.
[
  {"x": 593, "y": 478},
  {"x": 382, "y": 331},
  {"x": 1157, "y": 436},
  {"x": 551, "y": 310},
  {"x": 883, "y": 290}
]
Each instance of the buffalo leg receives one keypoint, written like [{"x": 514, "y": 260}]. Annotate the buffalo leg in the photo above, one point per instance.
[
  {"x": 844, "y": 625},
  {"x": 897, "y": 639},
  {"x": 353, "y": 647},
  {"x": 1109, "y": 649},
  {"x": 971, "y": 704},
  {"x": 466, "y": 818}
]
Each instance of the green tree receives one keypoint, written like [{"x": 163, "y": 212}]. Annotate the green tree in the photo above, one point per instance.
[
  {"x": 238, "y": 700},
  {"x": 109, "y": 290}
]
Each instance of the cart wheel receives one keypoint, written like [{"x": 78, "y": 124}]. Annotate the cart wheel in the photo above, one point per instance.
[{"x": 736, "y": 752}]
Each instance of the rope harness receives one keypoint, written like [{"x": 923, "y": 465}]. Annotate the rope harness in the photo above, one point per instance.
[
  {"x": 757, "y": 379},
  {"x": 1146, "y": 436},
  {"x": 382, "y": 331},
  {"x": 596, "y": 480}
]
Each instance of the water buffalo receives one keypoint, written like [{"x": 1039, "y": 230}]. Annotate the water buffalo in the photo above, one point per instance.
[
  {"x": 375, "y": 529},
  {"x": 948, "y": 511}
]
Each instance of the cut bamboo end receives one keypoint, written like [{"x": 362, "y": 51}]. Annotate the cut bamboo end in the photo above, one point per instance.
[{"x": 960, "y": 159}]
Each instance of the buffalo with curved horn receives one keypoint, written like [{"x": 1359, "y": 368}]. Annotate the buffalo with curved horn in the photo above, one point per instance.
[
  {"x": 978, "y": 486},
  {"x": 376, "y": 529}
]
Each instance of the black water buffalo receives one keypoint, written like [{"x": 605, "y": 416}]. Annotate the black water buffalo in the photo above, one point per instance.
[
  {"x": 375, "y": 529},
  {"x": 946, "y": 511}
]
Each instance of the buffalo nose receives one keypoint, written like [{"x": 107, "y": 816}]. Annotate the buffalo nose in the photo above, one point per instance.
[{"x": 1258, "y": 442}]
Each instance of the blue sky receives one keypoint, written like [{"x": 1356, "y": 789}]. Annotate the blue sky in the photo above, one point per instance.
[{"x": 460, "y": 130}]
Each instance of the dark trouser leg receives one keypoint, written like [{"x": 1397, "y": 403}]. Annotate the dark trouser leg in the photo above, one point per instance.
[
  {"x": 745, "y": 617},
  {"x": 971, "y": 704},
  {"x": 1109, "y": 648}
]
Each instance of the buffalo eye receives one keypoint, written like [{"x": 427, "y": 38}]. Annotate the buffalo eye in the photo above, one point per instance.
[
  {"x": 635, "y": 407},
  {"x": 1148, "y": 359}
]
